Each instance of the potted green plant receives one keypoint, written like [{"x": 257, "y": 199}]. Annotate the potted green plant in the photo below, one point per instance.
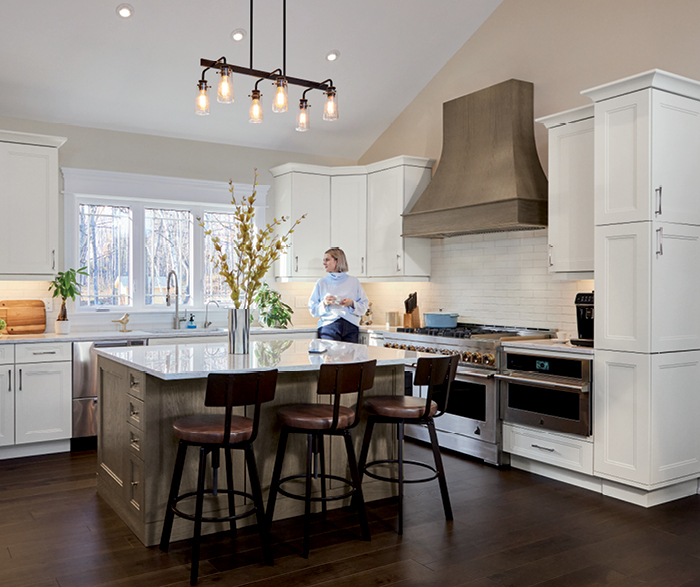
[
  {"x": 273, "y": 311},
  {"x": 65, "y": 286}
]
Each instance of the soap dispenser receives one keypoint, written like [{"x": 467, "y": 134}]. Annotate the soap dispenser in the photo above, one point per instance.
[{"x": 191, "y": 323}]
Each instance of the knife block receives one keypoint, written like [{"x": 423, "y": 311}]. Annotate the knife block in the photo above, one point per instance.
[{"x": 412, "y": 319}]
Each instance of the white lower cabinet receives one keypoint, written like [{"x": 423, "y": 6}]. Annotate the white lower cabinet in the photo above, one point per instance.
[
  {"x": 645, "y": 417},
  {"x": 35, "y": 404}
]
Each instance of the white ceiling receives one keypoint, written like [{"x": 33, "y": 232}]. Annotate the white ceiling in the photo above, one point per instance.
[{"x": 77, "y": 62}]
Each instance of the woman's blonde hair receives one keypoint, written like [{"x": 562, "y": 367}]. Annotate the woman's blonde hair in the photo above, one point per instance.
[{"x": 339, "y": 256}]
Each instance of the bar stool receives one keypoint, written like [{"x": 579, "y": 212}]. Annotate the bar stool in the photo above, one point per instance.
[
  {"x": 437, "y": 373},
  {"x": 318, "y": 421},
  {"x": 212, "y": 432}
]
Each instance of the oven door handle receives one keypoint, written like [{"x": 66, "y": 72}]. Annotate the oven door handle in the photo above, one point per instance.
[
  {"x": 475, "y": 374},
  {"x": 580, "y": 388}
]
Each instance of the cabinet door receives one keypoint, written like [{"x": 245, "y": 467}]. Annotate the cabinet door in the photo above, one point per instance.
[
  {"x": 349, "y": 220},
  {"x": 416, "y": 250},
  {"x": 675, "y": 404},
  {"x": 621, "y": 416},
  {"x": 310, "y": 196},
  {"x": 675, "y": 173},
  {"x": 384, "y": 209},
  {"x": 571, "y": 193},
  {"x": 43, "y": 409},
  {"x": 7, "y": 405},
  {"x": 622, "y": 152},
  {"x": 29, "y": 191}
]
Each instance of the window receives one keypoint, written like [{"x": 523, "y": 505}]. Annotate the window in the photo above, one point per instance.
[
  {"x": 168, "y": 246},
  {"x": 105, "y": 247},
  {"x": 132, "y": 230}
]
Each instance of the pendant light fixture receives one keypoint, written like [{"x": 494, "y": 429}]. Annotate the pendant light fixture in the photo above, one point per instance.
[{"x": 279, "y": 77}]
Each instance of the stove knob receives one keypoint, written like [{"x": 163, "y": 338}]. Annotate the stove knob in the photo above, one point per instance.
[
  {"x": 387, "y": 345},
  {"x": 431, "y": 350},
  {"x": 411, "y": 347},
  {"x": 466, "y": 356},
  {"x": 476, "y": 358},
  {"x": 421, "y": 349},
  {"x": 446, "y": 351},
  {"x": 489, "y": 360},
  {"x": 402, "y": 347},
  {"x": 394, "y": 345}
]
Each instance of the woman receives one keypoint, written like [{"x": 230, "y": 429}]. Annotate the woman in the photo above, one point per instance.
[{"x": 338, "y": 300}]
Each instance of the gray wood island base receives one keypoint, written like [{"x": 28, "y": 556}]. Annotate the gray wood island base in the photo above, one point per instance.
[{"x": 143, "y": 391}]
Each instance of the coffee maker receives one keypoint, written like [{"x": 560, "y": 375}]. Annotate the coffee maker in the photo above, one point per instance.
[{"x": 584, "y": 319}]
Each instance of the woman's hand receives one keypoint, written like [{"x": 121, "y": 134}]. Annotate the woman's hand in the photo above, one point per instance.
[
  {"x": 347, "y": 302},
  {"x": 329, "y": 299}
]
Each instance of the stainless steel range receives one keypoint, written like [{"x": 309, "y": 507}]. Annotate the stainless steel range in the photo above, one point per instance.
[{"x": 471, "y": 423}]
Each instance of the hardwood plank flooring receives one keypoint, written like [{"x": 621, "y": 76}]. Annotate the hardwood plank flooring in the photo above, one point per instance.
[{"x": 511, "y": 529}]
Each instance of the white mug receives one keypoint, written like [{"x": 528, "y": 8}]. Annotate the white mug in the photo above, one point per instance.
[{"x": 562, "y": 335}]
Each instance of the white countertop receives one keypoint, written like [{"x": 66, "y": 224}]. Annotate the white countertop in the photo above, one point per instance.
[
  {"x": 115, "y": 335},
  {"x": 550, "y": 344},
  {"x": 197, "y": 360}
]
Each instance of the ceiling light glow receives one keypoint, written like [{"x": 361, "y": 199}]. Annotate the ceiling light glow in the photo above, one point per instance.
[
  {"x": 125, "y": 10},
  {"x": 333, "y": 55},
  {"x": 238, "y": 35}
]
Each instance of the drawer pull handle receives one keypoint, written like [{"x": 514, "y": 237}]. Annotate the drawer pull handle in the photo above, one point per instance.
[
  {"x": 20, "y": 379},
  {"x": 658, "y": 200},
  {"x": 44, "y": 352},
  {"x": 9, "y": 380},
  {"x": 135, "y": 442},
  {"x": 132, "y": 382},
  {"x": 134, "y": 483},
  {"x": 133, "y": 412},
  {"x": 542, "y": 447},
  {"x": 660, "y": 241}
]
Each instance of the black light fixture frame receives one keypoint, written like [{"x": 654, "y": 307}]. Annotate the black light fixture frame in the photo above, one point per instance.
[{"x": 221, "y": 64}]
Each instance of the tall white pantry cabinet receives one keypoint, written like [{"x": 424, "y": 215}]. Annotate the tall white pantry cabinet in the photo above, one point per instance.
[{"x": 647, "y": 252}]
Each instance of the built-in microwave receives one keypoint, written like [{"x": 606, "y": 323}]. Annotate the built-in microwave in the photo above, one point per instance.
[{"x": 550, "y": 392}]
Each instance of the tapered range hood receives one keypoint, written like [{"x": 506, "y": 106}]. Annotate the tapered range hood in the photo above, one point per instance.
[{"x": 489, "y": 178}]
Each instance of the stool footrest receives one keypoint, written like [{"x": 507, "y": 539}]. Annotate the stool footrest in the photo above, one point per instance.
[
  {"x": 316, "y": 499},
  {"x": 192, "y": 517},
  {"x": 396, "y": 461}
]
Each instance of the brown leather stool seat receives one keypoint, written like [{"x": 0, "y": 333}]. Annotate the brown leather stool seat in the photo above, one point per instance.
[
  {"x": 398, "y": 406},
  {"x": 210, "y": 429},
  {"x": 314, "y": 416},
  {"x": 437, "y": 374},
  {"x": 212, "y": 433},
  {"x": 318, "y": 421}
]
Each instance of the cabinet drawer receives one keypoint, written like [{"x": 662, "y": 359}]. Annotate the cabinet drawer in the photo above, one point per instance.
[
  {"x": 135, "y": 441},
  {"x": 43, "y": 352},
  {"x": 7, "y": 354},
  {"x": 556, "y": 449},
  {"x": 135, "y": 489},
  {"x": 134, "y": 413},
  {"x": 137, "y": 383}
]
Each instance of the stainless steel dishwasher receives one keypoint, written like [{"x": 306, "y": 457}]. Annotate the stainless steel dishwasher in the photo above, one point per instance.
[{"x": 85, "y": 383}]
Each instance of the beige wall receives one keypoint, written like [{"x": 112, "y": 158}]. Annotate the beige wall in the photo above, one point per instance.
[{"x": 563, "y": 47}]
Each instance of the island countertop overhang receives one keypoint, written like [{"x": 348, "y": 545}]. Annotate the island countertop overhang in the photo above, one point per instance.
[{"x": 197, "y": 360}]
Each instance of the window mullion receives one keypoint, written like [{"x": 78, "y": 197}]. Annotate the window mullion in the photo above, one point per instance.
[{"x": 139, "y": 261}]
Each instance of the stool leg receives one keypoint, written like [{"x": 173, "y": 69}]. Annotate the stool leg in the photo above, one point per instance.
[
  {"x": 229, "y": 485},
  {"x": 174, "y": 488},
  {"x": 276, "y": 473},
  {"x": 365, "y": 446},
  {"x": 263, "y": 529},
  {"x": 307, "y": 501},
  {"x": 441, "y": 470},
  {"x": 322, "y": 456},
  {"x": 357, "y": 486},
  {"x": 399, "y": 434},
  {"x": 198, "y": 516}
]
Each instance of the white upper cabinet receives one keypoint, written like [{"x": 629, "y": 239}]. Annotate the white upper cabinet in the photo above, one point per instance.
[
  {"x": 29, "y": 193},
  {"x": 647, "y": 148},
  {"x": 349, "y": 220},
  {"x": 357, "y": 209},
  {"x": 571, "y": 192}
]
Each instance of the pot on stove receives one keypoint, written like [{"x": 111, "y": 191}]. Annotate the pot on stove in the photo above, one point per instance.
[{"x": 440, "y": 319}]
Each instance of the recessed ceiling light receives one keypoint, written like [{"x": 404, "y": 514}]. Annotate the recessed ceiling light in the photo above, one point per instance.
[
  {"x": 333, "y": 55},
  {"x": 238, "y": 34},
  {"x": 125, "y": 10}
]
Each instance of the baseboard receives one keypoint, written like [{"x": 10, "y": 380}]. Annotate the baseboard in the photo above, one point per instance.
[{"x": 18, "y": 451}]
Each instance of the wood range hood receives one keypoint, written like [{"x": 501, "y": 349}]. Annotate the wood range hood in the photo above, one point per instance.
[{"x": 489, "y": 178}]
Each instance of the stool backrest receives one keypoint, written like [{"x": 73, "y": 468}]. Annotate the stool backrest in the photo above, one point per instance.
[
  {"x": 437, "y": 373},
  {"x": 231, "y": 390},
  {"x": 343, "y": 378}
]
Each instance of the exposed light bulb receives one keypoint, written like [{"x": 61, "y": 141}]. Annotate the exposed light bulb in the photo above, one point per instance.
[
  {"x": 280, "y": 102},
  {"x": 225, "y": 92},
  {"x": 330, "y": 110},
  {"x": 303, "y": 116},
  {"x": 202, "y": 103},
  {"x": 256, "y": 112},
  {"x": 125, "y": 10}
]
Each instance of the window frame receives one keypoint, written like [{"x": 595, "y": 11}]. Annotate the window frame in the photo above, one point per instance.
[{"x": 133, "y": 191}]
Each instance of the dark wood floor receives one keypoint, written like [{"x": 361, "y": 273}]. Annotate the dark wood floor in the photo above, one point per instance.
[{"x": 511, "y": 529}]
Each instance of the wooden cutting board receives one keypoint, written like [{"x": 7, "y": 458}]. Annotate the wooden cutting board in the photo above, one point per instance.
[{"x": 24, "y": 316}]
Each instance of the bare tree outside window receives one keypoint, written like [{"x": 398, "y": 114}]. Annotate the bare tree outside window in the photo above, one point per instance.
[
  {"x": 104, "y": 247},
  {"x": 222, "y": 225}
]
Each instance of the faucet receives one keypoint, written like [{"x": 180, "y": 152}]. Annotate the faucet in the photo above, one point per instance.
[
  {"x": 207, "y": 324},
  {"x": 172, "y": 273}
]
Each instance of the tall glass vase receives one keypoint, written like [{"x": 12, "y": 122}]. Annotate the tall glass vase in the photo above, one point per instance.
[{"x": 239, "y": 331}]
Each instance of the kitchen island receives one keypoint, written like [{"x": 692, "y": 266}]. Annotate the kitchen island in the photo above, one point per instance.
[{"x": 143, "y": 390}]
